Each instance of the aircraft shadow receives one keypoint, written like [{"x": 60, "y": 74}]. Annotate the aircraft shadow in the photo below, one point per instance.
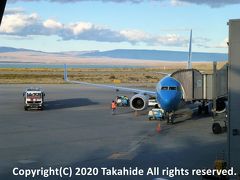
[{"x": 68, "y": 103}]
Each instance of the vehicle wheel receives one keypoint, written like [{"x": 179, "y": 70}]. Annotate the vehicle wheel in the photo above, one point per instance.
[
  {"x": 149, "y": 118},
  {"x": 25, "y": 108},
  {"x": 216, "y": 128}
]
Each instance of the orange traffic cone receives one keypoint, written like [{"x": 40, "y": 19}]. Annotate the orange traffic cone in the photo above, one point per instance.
[{"x": 158, "y": 128}]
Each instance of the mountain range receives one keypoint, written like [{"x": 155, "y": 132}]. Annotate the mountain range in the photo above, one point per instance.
[{"x": 134, "y": 54}]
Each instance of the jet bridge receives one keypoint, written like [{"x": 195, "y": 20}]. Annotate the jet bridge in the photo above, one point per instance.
[
  {"x": 234, "y": 96},
  {"x": 199, "y": 86},
  {"x": 192, "y": 83}
]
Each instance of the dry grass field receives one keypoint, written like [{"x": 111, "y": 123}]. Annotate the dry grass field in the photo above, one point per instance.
[{"x": 148, "y": 75}]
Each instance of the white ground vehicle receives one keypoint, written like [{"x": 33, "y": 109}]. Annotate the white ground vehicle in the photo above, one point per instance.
[
  {"x": 33, "y": 99},
  {"x": 156, "y": 114},
  {"x": 122, "y": 101},
  {"x": 152, "y": 102}
]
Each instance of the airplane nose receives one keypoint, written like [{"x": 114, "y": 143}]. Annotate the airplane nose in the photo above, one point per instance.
[{"x": 168, "y": 102}]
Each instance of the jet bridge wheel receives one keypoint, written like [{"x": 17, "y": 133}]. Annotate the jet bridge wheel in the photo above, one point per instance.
[
  {"x": 216, "y": 128},
  {"x": 25, "y": 108}
]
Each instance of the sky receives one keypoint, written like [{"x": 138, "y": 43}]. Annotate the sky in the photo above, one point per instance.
[{"x": 86, "y": 25}]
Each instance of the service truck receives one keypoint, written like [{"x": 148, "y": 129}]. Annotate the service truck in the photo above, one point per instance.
[{"x": 33, "y": 98}]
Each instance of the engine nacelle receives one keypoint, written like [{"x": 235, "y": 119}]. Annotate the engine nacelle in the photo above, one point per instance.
[{"x": 139, "y": 102}]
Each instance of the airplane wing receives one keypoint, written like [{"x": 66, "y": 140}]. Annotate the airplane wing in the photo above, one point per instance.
[
  {"x": 163, "y": 73},
  {"x": 117, "y": 88}
]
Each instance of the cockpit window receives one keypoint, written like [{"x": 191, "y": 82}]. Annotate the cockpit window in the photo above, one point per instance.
[
  {"x": 172, "y": 88},
  {"x": 164, "y": 88}
]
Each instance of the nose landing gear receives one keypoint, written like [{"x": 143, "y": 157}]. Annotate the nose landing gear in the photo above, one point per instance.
[{"x": 170, "y": 117}]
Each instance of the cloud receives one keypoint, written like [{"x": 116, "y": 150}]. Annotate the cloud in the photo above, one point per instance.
[
  {"x": 211, "y": 3},
  {"x": 135, "y": 35},
  {"x": 20, "y": 24},
  {"x": 13, "y": 23},
  {"x": 202, "y": 42},
  {"x": 172, "y": 40},
  {"x": 52, "y": 24},
  {"x": 72, "y": 1},
  {"x": 177, "y": 2},
  {"x": 223, "y": 44},
  {"x": 13, "y": 11}
]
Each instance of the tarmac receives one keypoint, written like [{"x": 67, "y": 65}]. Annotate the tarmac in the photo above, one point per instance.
[{"x": 77, "y": 129}]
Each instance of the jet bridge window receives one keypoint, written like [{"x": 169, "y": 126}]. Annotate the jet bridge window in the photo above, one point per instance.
[
  {"x": 172, "y": 88},
  {"x": 164, "y": 88}
]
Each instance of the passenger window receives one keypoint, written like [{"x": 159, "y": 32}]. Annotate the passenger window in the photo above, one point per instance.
[{"x": 164, "y": 88}]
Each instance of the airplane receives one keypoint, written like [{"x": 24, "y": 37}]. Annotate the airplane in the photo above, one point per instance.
[{"x": 169, "y": 91}]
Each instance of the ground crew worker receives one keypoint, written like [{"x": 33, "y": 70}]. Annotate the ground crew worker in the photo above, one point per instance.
[
  {"x": 158, "y": 128},
  {"x": 113, "y": 106}
]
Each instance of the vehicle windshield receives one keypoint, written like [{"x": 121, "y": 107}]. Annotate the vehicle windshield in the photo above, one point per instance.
[{"x": 38, "y": 95}]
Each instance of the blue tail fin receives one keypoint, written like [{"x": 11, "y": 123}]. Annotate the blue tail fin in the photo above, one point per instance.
[
  {"x": 65, "y": 73},
  {"x": 189, "y": 64}
]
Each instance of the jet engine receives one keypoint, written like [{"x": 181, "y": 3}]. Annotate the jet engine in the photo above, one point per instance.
[
  {"x": 221, "y": 105},
  {"x": 139, "y": 102}
]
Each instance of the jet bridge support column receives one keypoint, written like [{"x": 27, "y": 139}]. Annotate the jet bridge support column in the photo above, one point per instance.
[
  {"x": 214, "y": 87},
  {"x": 234, "y": 96}
]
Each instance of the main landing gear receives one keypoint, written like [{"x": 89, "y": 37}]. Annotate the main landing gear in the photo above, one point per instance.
[{"x": 203, "y": 108}]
